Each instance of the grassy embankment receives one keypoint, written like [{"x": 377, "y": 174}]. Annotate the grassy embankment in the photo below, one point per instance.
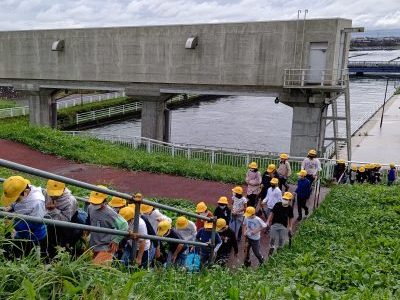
[
  {"x": 4, "y": 103},
  {"x": 89, "y": 150},
  {"x": 348, "y": 249}
]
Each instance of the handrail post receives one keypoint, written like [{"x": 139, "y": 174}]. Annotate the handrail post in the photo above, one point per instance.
[
  {"x": 136, "y": 226},
  {"x": 212, "y": 244}
]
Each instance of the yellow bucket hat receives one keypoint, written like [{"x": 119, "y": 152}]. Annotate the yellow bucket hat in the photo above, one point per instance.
[
  {"x": 96, "y": 197},
  {"x": 13, "y": 186}
]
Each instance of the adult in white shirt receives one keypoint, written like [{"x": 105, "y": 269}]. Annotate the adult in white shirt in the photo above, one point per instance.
[
  {"x": 274, "y": 195},
  {"x": 238, "y": 209},
  {"x": 153, "y": 215},
  {"x": 312, "y": 165}
]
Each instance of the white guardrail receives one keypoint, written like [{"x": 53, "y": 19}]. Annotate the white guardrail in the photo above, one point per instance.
[
  {"x": 212, "y": 155},
  {"x": 24, "y": 110}
]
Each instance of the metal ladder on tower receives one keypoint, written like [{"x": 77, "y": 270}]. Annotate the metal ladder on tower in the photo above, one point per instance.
[{"x": 337, "y": 134}]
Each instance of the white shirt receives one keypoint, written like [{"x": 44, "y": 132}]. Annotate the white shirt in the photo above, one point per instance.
[
  {"x": 312, "y": 166},
  {"x": 238, "y": 206},
  {"x": 156, "y": 217},
  {"x": 188, "y": 233},
  {"x": 252, "y": 224},
  {"x": 273, "y": 196},
  {"x": 31, "y": 205},
  {"x": 141, "y": 230}
]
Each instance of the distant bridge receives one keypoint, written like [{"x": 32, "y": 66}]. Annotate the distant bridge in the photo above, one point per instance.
[{"x": 361, "y": 67}]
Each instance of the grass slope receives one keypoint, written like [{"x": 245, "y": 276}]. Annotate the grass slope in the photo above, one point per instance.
[
  {"x": 88, "y": 150},
  {"x": 4, "y": 103},
  {"x": 348, "y": 249}
]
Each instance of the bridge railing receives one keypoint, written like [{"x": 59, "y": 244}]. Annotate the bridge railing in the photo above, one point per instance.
[
  {"x": 312, "y": 77},
  {"x": 88, "y": 99},
  {"x": 107, "y": 112},
  {"x": 373, "y": 64},
  {"x": 14, "y": 112}
]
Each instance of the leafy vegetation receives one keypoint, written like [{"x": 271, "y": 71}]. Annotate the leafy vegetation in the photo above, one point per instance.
[
  {"x": 89, "y": 150},
  {"x": 348, "y": 249},
  {"x": 4, "y": 103}
]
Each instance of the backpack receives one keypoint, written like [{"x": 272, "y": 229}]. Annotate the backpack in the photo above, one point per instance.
[{"x": 192, "y": 262}]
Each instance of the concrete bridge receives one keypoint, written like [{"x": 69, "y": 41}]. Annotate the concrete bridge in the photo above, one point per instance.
[
  {"x": 361, "y": 67},
  {"x": 300, "y": 62}
]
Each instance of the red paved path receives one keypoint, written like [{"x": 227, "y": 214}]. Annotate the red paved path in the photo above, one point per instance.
[{"x": 150, "y": 184}]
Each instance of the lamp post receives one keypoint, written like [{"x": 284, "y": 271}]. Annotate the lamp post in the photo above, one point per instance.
[{"x": 384, "y": 100}]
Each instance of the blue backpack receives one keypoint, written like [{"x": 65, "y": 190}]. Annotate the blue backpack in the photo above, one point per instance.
[{"x": 192, "y": 262}]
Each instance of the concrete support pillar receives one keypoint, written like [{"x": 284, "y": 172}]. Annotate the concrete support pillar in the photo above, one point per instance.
[
  {"x": 156, "y": 120},
  {"x": 308, "y": 129},
  {"x": 43, "y": 108}
]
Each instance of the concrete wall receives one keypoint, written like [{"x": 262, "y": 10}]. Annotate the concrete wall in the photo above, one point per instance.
[{"x": 246, "y": 54}]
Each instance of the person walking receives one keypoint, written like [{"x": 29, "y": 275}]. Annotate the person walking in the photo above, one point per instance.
[
  {"x": 392, "y": 174},
  {"x": 174, "y": 252},
  {"x": 229, "y": 242},
  {"x": 104, "y": 246},
  {"x": 238, "y": 209},
  {"x": 353, "y": 174},
  {"x": 186, "y": 228},
  {"x": 253, "y": 225},
  {"x": 253, "y": 181},
  {"x": 269, "y": 173},
  {"x": 339, "y": 171},
  {"x": 61, "y": 205},
  {"x": 21, "y": 197},
  {"x": 284, "y": 171},
  {"x": 117, "y": 203},
  {"x": 361, "y": 175},
  {"x": 222, "y": 210},
  {"x": 202, "y": 210},
  {"x": 204, "y": 236},
  {"x": 280, "y": 221},
  {"x": 274, "y": 195},
  {"x": 303, "y": 192},
  {"x": 312, "y": 165},
  {"x": 153, "y": 215}
]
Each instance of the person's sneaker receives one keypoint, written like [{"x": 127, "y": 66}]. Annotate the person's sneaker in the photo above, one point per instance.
[
  {"x": 306, "y": 211},
  {"x": 271, "y": 251},
  {"x": 262, "y": 261},
  {"x": 247, "y": 264},
  {"x": 299, "y": 218}
]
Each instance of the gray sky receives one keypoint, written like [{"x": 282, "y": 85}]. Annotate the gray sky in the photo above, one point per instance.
[{"x": 31, "y": 14}]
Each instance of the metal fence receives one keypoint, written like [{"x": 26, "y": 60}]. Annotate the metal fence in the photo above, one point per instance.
[
  {"x": 14, "y": 112},
  {"x": 304, "y": 77},
  {"x": 130, "y": 198},
  {"x": 84, "y": 99},
  {"x": 107, "y": 112},
  {"x": 212, "y": 155}
]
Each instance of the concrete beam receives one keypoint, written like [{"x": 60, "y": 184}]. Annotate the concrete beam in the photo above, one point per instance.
[
  {"x": 156, "y": 118},
  {"x": 307, "y": 129},
  {"x": 43, "y": 108}
]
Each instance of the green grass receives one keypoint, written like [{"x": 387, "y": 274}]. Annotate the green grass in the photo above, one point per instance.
[
  {"x": 348, "y": 249},
  {"x": 66, "y": 116},
  {"x": 89, "y": 150},
  {"x": 397, "y": 92},
  {"x": 4, "y": 103}
]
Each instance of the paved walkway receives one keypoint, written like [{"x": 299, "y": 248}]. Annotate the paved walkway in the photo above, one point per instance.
[
  {"x": 375, "y": 144},
  {"x": 151, "y": 185}
]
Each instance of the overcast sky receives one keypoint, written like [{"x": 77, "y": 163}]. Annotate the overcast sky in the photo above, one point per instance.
[{"x": 31, "y": 14}]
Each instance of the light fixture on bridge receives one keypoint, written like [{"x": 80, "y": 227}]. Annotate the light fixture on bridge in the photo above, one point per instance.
[
  {"x": 192, "y": 42},
  {"x": 58, "y": 45}
]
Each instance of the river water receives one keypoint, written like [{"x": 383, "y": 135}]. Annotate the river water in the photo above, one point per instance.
[{"x": 258, "y": 123}]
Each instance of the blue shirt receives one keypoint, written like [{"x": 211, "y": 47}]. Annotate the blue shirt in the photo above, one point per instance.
[
  {"x": 392, "y": 175},
  {"x": 204, "y": 236},
  {"x": 303, "y": 190}
]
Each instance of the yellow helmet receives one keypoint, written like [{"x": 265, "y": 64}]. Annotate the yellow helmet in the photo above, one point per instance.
[
  {"x": 146, "y": 209},
  {"x": 283, "y": 156},
  {"x": 138, "y": 197},
  {"x": 302, "y": 173},
  {"x": 181, "y": 222},
  {"x": 392, "y": 165},
  {"x": 223, "y": 200},
  {"x": 238, "y": 190},
  {"x": 369, "y": 166},
  {"x": 271, "y": 168},
  {"x": 208, "y": 225},
  {"x": 250, "y": 210},
  {"x": 163, "y": 227},
  {"x": 361, "y": 169},
  {"x": 201, "y": 207},
  {"x": 13, "y": 186},
  {"x": 221, "y": 224},
  {"x": 354, "y": 168},
  {"x": 96, "y": 197},
  {"x": 341, "y": 161},
  {"x": 253, "y": 165},
  {"x": 117, "y": 202},
  {"x": 128, "y": 213},
  {"x": 55, "y": 188},
  {"x": 287, "y": 196},
  {"x": 312, "y": 152},
  {"x": 274, "y": 181}
]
